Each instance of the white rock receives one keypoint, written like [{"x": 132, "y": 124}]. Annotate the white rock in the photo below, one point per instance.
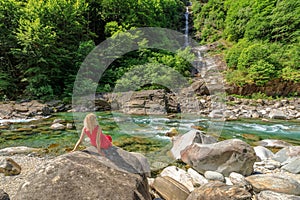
[
  {"x": 197, "y": 178},
  {"x": 179, "y": 175},
  {"x": 263, "y": 153}
]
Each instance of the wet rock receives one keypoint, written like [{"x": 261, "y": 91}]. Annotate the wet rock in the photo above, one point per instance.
[
  {"x": 224, "y": 157},
  {"x": 86, "y": 175},
  {"x": 172, "y": 132},
  {"x": 170, "y": 189},
  {"x": 57, "y": 126},
  {"x": 9, "y": 167},
  {"x": 179, "y": 175},
  {"x": 270, "y": 195},
  {"x": 217, "y": 190},
  {"x": 193, "y": 136},
  {"x": 3, "y": 195},
  {"x": 274, "y": 183}
]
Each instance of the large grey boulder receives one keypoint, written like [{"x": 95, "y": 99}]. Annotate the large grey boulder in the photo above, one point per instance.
[
  {"x": 86, "y": 175},
  {"x": 224, "y": 157},
  {"x": 193, "y": 136}
]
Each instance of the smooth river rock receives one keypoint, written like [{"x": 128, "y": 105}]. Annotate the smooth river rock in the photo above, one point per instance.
[
  {"x": 225, "y": 157},
  {"x": 219, "y": 191},
  {"x": 85, "y": 175},
  {"x": 270, "y": 195},
  {"x": 179, "y": 175},
  {"x": 293, "y": 165},
  {"x": 287, "y": 153},
  {"x": 274, "y": 183},
  {"x": 193, "y": 136},
  {"x": 170, "y": 189}
]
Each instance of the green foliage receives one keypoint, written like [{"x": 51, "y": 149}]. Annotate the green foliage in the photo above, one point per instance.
[
  {"x": 43, "y": 43},
  {"x": 153, "y": 74},
  {"x": 264, "y": 37}
]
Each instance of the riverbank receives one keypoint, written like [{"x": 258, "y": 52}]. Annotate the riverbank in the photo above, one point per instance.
[
  {"x": 261, "y": 175},
  {"x": 159, "y": 102}
]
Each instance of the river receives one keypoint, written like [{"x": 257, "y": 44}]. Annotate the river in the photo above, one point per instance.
[{"x": 145, "y": 134}]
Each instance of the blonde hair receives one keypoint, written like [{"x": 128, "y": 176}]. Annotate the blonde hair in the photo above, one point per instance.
[{"x": 90, "y": 122}]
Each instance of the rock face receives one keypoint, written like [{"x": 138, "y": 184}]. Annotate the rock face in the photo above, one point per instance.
[
  {"x": 193, "y": 136},
  {"x": 274, "y": 183},
  {"x": 219, "y": 191},
  {"x": 85, "y": 175},
  {"x": 272, "y": 88},
  {"x": 9, "y": 167},
  {"x": 224, "y": 157}
]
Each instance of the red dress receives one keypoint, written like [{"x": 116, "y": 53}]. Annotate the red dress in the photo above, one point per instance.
[{"x": 105, "y": 139}]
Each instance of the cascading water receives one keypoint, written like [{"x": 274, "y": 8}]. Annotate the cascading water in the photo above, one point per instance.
[{"x": 186, "y": 33}]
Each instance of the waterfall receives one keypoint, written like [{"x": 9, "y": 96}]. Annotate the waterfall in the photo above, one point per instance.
[{"x": 186, "y": 33}]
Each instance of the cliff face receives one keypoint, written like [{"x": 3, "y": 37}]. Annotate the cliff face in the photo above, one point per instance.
[{"x": 274, "y": 88}]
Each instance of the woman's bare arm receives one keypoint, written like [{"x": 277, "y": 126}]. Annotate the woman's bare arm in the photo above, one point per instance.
[{"x": 79, "y": 140}]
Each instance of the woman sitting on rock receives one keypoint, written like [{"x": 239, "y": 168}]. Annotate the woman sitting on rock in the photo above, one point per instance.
[{"x": 92, "y": 129}]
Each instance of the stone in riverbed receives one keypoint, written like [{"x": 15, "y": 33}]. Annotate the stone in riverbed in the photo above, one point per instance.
[
  {"x": 274, "y": 183},
  {"x": 193, "y": 136},
  {"x": 224, "y": 157},
  {"x": 270, "y": 195},
  {"x": 57, "y": 126},
  {"x": 238, "y": 179},
  {"x": 216, "y": 190}
]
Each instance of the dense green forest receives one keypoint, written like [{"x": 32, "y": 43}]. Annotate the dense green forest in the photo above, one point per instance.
[
  {"x": 43, "y": 42},
  {"x": 261, "y": 37}
]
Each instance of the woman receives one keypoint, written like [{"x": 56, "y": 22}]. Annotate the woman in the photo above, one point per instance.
[{"x": 92, "y": 129}]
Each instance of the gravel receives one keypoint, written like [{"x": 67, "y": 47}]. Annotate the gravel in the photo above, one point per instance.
[{"x": 28, "y": 163}]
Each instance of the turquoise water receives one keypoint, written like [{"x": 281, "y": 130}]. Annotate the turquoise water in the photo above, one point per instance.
[{"x": 143, "y": 134}]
